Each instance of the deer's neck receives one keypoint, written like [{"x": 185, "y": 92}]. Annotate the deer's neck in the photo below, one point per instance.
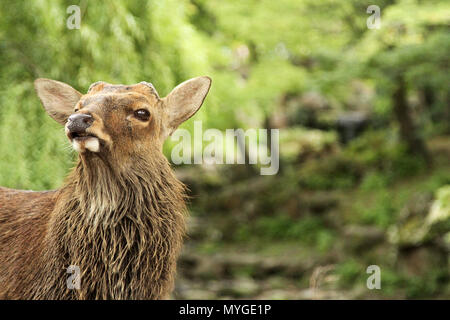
[
  {"x": 122, "y": 228},
  {"x": 145, "y": 189}
]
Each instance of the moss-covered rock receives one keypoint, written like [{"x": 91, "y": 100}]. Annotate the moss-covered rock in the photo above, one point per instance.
[{"x": 423, "y": 219}]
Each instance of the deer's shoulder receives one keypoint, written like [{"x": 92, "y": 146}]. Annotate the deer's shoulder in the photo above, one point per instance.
[{"x": 26, "y": 202}]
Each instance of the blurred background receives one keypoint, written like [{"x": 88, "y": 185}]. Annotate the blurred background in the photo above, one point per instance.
[{"x": 364, "y": 123}]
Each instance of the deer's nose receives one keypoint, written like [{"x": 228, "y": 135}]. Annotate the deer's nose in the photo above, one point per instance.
[{"x": 78, "y": 123}]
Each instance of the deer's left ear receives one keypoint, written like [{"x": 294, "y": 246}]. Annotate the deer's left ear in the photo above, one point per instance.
[
  {"x": 184, "y": 101},
  {"x": 58, "y": 98}
]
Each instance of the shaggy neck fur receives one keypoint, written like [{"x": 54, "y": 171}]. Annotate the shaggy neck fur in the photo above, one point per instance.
[{"x": 122, "y": 227}]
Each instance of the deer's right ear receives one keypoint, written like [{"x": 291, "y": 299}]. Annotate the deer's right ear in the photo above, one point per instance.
[
  {"x": 184, "y": 101},
  {"x": 58, "y": 98}
]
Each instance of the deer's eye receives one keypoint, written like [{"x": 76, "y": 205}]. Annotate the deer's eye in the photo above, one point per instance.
[
  {"x": 76, "y": 110},
  {"x": 142, "y": 114}
]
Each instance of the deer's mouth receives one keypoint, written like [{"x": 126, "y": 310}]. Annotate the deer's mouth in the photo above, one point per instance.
[
  {"x": 82, "y": 141},
  {"x": 81, "y": 136}
]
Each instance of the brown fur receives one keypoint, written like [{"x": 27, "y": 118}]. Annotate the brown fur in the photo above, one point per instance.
[{"x": 119, "y": 217}]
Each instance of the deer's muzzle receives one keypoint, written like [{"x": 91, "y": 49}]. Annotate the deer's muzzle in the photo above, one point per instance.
[
  {"x": 76, "y": 131},
  {"x": 78, "y": 123}
]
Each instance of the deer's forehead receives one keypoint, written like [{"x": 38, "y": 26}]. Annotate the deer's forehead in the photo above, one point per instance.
[
  {"x": 144, "y": 88},
  {"x": 117, "y": 100}
]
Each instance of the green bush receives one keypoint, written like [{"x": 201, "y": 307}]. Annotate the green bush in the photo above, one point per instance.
[
  {"x": 332, "y": 172},
  {"x": 307, "y": 230},
  {"x": 382, "y": 212},
  {"x": 381, "y": 151},
  {"x": 350, "y": 272}
]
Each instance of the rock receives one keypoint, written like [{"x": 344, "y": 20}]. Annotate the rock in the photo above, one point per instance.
[
  {"x": 423, "y": 220},
  {"x": 318, "y": 202},
  {"x": 300, "y": 144},
  {"x": 215, "y": 266},
  {"x": 351, "y": 124},
  {"x": 440, "y": 209},
  {"x": 200, "y": 267},
  {"x": 411, "y": 228},
  {"x": 195, "y": 294},
  {"x": 239, "y": 288},
  {"x": 314, "y": 100},
  {"x": 421, "y": 232},
  {"x": 363, "y": 237},
  {"x": 418, "y": 261},
  {"x": 279, "y": 294}
]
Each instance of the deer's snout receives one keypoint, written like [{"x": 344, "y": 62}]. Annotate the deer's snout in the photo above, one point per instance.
[{"x": 78, "y": 123}]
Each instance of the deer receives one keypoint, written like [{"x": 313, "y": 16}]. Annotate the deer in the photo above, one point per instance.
[{"x": 119, "y": 217}]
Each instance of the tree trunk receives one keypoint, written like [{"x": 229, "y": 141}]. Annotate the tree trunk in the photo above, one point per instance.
[{"x": 408, "y": 131}]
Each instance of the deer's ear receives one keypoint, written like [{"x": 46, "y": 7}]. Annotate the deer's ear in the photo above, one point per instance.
[
  {"x": 58, "y": 98},
  {"x": 184, "y": 101}
]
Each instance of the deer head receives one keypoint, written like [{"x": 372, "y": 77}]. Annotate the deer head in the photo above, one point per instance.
[{"x": 120, "y": 119}]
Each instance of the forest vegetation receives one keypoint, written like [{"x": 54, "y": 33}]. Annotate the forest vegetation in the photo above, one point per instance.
[{"x": 363, "y": 114}]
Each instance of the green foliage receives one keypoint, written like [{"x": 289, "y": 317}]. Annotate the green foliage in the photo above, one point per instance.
[
  {"x": 350, "y": 272},
  {"x": 374, "y": 159},
  {"x": 119, "y": 42},
  {"x": 264, "y": 58},
  {"x": 374, "y": 181},
  {"x": 382, "y": 212},
  {"x": 254, "y": 63},
  {"x": 382, "y": 151},
  {"x": 300, "y": 142},
  {"x": 308, "y": 230},
  {"x": 334, "y": 172},
  {"x": 426, "y": 286},
  {"x": 353, "y": 272}
]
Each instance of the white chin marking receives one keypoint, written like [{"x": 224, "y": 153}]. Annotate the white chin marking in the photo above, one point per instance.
[
  {"x": 76, "y": 145},
  {"x": 92, "y": 144}
]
